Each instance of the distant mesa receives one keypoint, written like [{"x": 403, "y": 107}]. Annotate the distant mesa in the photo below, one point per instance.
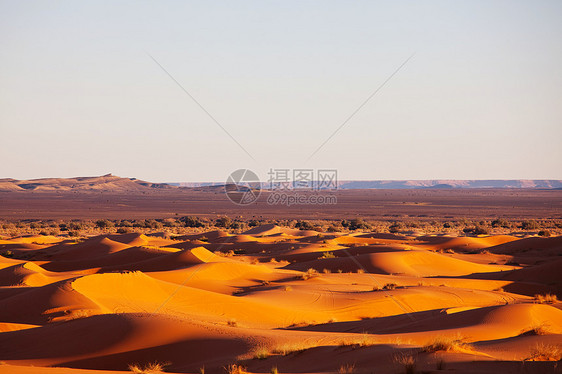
[
  {"x": 415, "y": 184},
  {"x": 104, "y": 183},
  {"x": 112, "y": 183}
]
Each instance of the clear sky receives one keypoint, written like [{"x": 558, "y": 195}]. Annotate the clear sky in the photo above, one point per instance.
[{"x": 480, "y": 99}]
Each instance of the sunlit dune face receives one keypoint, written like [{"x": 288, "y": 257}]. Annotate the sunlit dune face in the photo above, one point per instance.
[{"x": 277, "y": 297}]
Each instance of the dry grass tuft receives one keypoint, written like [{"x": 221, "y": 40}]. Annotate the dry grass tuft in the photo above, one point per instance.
[
  {"x": 310, "y": 273},
  {"x": 546, "y": 299},
  {"x": 297, "y": 347},
  {"x": 232, "y": 323},
  {"x": 545, "y": 352},
  {"x": 261, "y": 352},
  {"x": 407, "y": 360},
  {"x": 153, "y": 367},
  {"x": 447, "y": 345},
  {"x": 364, "y": 340},
  {"x": 537, "y": 329},
  {"x": 347, "y": 369},
  {"x": 389, "y": 286},
  {"x": 235, "y": 369}
]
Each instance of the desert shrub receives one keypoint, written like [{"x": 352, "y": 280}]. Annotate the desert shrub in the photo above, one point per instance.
[
  {"x": 545, "y": 233},
  {"x": 529, "y": 225},
  {"x": 124, "y": 223},
  {"x": 235, "y": 369},
  {"x": 232, "y": 323},
  {"x": 310, "y": 273},
  {"x": 537, "y": 329},
  {"x": 253, "y": 223},
  {"x": 288, "y": 348},
  {"x": 346, "y": 369},
  {"x": 153, "y": 367},
  {"x": 408, "y": 361},
  {"x": 75, "y": 226},
  {"x": 261, "y": 353},
  {"x": 389, "y": 286},
  {"x": 476, "y": 230},
  {"x": 103, "y": 224},
  {"x": 328, "y": 255},
  {"x": 545, "y": 352},
  {"x": 546, "y": 298},
  {"x": 332, "y": 228},
  {"x": 356, "y": 224},
  {"x": 447, "y": 225},
  {"x": 396, "y": 227},
  {"x": 304, "y": 225},
  {"x": 446, "y": 344},
  {"x": 193, "y": 222},
  {"x": 73, "y": 233},
  {"x": 123, "y": 230},
  {"x": 237, "y": 225},
  {"x": 153, "y": 224},
  {"x": 223, "y": 222},
  {"x": 501, "y": 222}
]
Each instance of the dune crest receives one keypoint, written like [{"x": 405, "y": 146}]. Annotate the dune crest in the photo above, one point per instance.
[{"x": 274, "y": 296}]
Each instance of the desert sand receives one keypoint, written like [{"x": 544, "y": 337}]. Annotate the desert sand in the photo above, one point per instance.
[{"x": 274, "y": 298}]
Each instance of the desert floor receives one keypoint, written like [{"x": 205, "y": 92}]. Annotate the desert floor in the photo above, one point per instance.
[
  {"x": 443, "y": 204},
  {"x": 275, "y": 299}
]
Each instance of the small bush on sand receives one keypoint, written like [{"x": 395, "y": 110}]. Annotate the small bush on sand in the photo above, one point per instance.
[
  {"x": 328, "y": 255},
  {"x": 501, "y": 222},
  {"x": 546, "y": 299},
  {"x": 389, "y": 286},
  {"x": 193, "y": 222},
  {"x": 102, "y": 224},
  {"x": 447, "y": 345},
  {"x": 304, "y": 225},
  {"x": 223, "y": 222},
  {"x": 356, "y": 224},
  {"x": 347, "y": 369},
  {"x": 235, "y": 369},
  {"x": 529, "y": 225},
  {"x": 288, "y": 348},
  {"x": 153, "y": 367},
  {"x": 545, "y": 233},
  {"x": 396, "y": 227},
  {"x": 545, "y": 352},
  {"x": 261, "y": 353},
  {"x": 310, "y": 273},
  {"x": 408, "y": 361},
  {"x": 537, "y": 329},
  {"x": 476, "y": 230}
]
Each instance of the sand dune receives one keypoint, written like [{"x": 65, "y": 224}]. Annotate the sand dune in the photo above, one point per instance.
[{"x": 301, "y": 301}]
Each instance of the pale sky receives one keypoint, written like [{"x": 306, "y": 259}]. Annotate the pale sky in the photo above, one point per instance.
[{"x": 480, "y": 99}]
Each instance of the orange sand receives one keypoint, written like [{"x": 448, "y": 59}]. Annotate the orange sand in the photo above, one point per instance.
[{"x": 107, "y": 302}]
